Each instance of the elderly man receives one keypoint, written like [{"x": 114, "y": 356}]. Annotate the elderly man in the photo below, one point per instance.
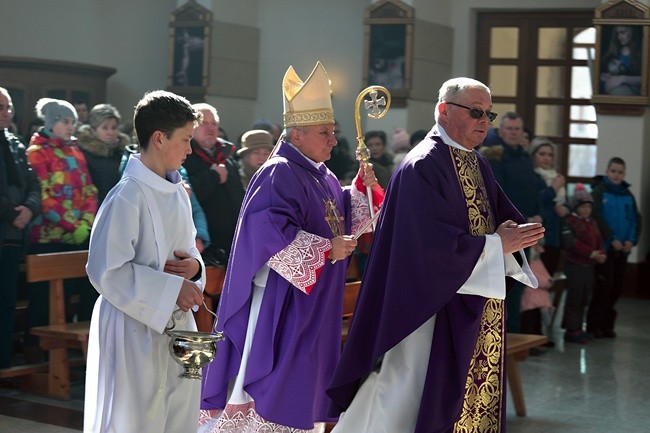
[
  {"x": 513, "y": 169},
  {"x": 20, "y": 202},
  {"x": 281, "y": 305},
  {"x": 426, "y": 349},
  {"x": 214, "y": 176}
]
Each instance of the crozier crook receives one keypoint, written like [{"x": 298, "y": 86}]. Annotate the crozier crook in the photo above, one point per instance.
[{"x": 377, "y": 108}]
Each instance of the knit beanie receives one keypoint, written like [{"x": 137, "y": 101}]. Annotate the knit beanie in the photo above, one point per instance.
[
  {"x": 53, "y": 110},
  {"x": 538, "y": 142},
  {"x": 400, "y": 141},
  {"x": 580, "y": 196}
]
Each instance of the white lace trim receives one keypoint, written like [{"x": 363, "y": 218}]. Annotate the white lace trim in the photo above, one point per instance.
[
  {"x": 243, "y": 418},
  {"x": 299, "y": 261},
  {"x": 360, "y": 210}
]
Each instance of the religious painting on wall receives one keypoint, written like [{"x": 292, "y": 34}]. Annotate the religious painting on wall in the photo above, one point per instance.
[
  {"x": 620, "y": 70},
  {"x": 189, "y": 45},
  {"x": 189, "y": 50},
  {"x": 388, "y": 41},
  {"x": 387, "y": 55}
]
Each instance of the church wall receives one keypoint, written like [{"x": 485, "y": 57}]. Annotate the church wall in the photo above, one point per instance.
[{"x": 130, "y": 36}]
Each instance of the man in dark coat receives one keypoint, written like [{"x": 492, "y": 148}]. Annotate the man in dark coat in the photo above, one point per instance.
[
  {"x": 20, "y": 202},
  {"x": 214, "y": 175}
]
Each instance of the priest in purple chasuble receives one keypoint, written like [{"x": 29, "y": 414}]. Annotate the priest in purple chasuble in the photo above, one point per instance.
[
  {"x": 426, "y": 349},
  {"x": 280, "y": 309}
]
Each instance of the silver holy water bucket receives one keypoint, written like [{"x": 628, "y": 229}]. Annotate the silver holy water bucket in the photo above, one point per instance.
[{"x": 192, "y": 349}]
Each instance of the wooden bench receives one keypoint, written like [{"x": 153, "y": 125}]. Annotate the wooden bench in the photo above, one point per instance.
[
  {"x": 214, "y": 278},
  {"x": 349, "y": 301},
  {"x": 517, "y": 346},
  {"x": 517, "y": 350},
  {"x": 58, "y": 336}
]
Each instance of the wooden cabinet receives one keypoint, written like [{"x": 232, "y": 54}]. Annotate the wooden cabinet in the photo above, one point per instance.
[{"x": 28, "y": 80}]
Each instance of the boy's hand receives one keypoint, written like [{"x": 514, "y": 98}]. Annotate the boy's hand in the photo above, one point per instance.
[
  {"x": 185, "y": 266},
  {"x": 617, "y": 245},
  {"x": 189, "y": 296}
]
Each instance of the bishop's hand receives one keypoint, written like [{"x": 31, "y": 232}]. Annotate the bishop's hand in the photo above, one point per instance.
[{"x": 342, "y": 246}]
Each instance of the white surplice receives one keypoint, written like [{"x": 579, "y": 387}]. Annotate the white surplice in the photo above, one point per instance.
[
  {"x": 388, "y": 401},
  {"x": 132, "y": 382}
]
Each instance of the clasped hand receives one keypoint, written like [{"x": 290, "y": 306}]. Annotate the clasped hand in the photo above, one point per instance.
[{"x": 515, "y": 237}]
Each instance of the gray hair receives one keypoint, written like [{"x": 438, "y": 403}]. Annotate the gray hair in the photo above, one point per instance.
[
  {"x": 203, "y": 106},
  {"x": 453, "y": 88}
]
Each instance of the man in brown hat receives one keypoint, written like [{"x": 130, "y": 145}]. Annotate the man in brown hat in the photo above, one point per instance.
[{"x": 256, "y": 146}]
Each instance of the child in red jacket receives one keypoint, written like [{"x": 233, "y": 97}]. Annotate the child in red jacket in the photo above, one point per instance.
[{"x": 584, "y": 248}]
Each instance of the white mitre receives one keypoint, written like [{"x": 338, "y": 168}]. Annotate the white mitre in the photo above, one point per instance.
[{"x": 309, "y": 102}]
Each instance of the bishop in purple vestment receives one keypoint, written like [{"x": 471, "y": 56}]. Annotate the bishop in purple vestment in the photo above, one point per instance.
[
  {"x": 426, "y": 347},
  {"x": 280, "y": 310}
]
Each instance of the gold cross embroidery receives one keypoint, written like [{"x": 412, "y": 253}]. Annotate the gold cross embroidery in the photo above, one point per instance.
[{"x": 333, "y": 217}]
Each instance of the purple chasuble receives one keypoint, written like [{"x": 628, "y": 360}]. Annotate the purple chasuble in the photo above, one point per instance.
[
  {"x": 422, "y": 253},
  {"x": 296, "y": 344}
]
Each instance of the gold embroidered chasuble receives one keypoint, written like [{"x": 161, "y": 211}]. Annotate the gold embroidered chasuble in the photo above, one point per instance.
[{"x": 483, "y": 403}]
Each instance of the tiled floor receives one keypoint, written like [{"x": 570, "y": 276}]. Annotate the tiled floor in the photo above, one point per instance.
[{"x": 601, "y": 387}]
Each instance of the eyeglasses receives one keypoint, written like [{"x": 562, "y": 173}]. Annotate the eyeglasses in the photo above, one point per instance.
[{"x": 475, "y": 113}]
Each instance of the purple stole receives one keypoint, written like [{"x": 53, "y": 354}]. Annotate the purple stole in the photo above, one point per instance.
[{"x": 483, "y": 404}]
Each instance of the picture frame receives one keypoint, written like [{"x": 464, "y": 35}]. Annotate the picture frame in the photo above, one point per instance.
[
  {"x": 190, "y": 33},
  {"x": 620, "y": 67},
  {"x": 388, "y": 48}
]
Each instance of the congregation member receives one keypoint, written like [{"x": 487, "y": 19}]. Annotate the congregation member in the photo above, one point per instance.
[
  {"x": 513, "y": 169},
  {"x": 584, "y": 247},
  {"x": 619, "y": 221},
  {"x": 214, "y": 176},
  {"x": 20, "y": 203},
  {"x": 103, "y": 145},
  {"x": 69, "y": 205},
  {"x": 256, "y": 146}
]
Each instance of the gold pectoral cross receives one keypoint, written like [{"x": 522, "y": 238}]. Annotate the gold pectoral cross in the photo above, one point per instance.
[{"x": 333, "y": 217}]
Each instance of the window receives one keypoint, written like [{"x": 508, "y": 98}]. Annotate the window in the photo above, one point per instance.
[{"x": 538, "y": 65}]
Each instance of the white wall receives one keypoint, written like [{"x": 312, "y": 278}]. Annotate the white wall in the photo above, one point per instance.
[
  {"x": 128, "y": 35},
  {"x": 292, "y": 34}
]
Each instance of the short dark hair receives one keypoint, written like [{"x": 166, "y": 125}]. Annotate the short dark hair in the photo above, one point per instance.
[
  {"x": 511, "y": 115},
  {"x": 162, "y": 111},
  {"x": 417, "y": 136},
  {"x": 616, "y": 160},
  {"x": 372, "y": 134}
]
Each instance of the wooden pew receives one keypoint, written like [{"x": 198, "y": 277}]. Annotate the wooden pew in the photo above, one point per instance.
[
  {"x": 215, "y": 276},
  {"x": 517, "y": 350},
  {"x": 349, "y": 301},
  {"x": 58, "y": 336}
]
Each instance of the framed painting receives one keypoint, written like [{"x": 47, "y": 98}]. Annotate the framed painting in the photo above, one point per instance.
[
  {"x": 388, "y": 43},
  {"x": 620, "y": 70},
  {"x": 189, "y": 50}
]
